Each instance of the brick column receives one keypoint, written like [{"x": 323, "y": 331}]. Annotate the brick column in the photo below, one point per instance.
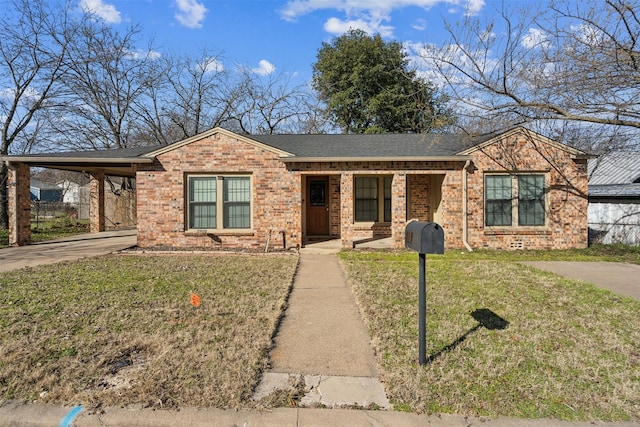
[
  {"x": 398, "y": 209},
  {"x": 346, "y": 210},
  {"x": 19, "y": 204},
  {"x": 96, "y": 202}
]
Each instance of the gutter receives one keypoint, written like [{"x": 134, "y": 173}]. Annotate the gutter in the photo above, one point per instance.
[{"x": 464, "y": 206}]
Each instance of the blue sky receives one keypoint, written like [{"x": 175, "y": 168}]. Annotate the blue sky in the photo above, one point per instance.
[{"x": 279, "y": 36}]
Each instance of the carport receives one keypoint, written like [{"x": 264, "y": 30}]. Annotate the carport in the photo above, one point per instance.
[{"x": 98, "y": 164}]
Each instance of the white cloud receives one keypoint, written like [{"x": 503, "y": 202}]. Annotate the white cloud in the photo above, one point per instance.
[
  {"x": 211, "y": 65},
  {"x": 264, "y": 68},
  {"x": 141, "y": 54},
  {"x": 473, "y": 7},
  {"x": 420, "y": 25},
  {"x": 190, "y": 13},
  {"x": 106, "y": 12},
  {"x": 368, "y": 15},
  {"x": 337, "y": 26},
  {"x": 535, "y": 38},
  {"x": 588, "y": 34}
]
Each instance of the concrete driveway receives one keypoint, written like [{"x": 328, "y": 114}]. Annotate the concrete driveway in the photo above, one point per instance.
[
  {"x": 67, "y": 248},
  {"x": 621, "y": 278}
]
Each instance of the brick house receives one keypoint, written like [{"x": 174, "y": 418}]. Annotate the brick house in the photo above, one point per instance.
[{"x": 512, "y": 190}]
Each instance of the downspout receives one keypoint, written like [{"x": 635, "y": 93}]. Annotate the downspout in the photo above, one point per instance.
[{"x": 464, "y": 206}]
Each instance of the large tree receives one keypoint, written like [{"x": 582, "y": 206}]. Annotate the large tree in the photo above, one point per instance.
[
  {"x": 33, "y": 49},
  {"x": 566, "y": 65},
  {"x": 369, "y": 87}
]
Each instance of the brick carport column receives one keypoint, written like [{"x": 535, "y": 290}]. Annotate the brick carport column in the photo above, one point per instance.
[
  {"x": 19, "y": 204},
  {"x": 398, "y": 209},
  {"x": 346, "y": 210},
  {"x": 96, "y": 202}
]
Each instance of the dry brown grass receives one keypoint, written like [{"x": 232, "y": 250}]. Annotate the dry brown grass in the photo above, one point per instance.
[
  {"x": 570, "y": 351},
  {"x": 119, "y": 330}
]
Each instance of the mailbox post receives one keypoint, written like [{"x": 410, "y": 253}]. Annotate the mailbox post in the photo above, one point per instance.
[{"x": 424, "y": 238}]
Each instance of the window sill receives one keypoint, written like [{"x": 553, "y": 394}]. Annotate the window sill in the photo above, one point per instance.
[
  {"x": 521, "y": 231},
  {"x": 216, "y": 232},
  {"x": 368, "y": 225}
]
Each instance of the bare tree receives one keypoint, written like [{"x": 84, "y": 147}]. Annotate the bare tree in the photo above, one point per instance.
[
  {"x": 272, "y": 104},
  {"x": 107, "y": 74},
  {"x": 33, "y": 50},
  {"x": 576, "y": 63},
  {"x": 187, "y": 95}
]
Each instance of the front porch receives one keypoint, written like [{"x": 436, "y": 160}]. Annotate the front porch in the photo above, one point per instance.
[{"x": 367, "y": 209}]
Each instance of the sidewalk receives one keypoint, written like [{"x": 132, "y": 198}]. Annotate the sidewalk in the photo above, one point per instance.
[{"x": 323, "y": 339}]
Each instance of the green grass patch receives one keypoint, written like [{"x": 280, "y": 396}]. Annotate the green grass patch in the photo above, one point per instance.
[
  {"x": 50, "y": 229},
  {"x": 570, "y": 350},
  {"x": 119, "y": 330}
]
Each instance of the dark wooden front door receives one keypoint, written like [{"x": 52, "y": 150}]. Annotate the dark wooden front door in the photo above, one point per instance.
[{"x": 317, "y": 206}]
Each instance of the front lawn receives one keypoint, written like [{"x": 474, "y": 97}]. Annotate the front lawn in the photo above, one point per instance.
[
  {"x": 50, "y": 229},
  {"x": 570, "y": 351},
  {"x": 120, "y": 329}
]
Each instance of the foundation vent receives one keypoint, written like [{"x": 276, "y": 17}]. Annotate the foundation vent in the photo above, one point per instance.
[{"x": 516, "y": 245}]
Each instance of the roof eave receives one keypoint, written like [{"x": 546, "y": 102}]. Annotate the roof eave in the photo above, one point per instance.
[
  {"x": 65, "y": 160},
  {"x": 455, "y": 158}
]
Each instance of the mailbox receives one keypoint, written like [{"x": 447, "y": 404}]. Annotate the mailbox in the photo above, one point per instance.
[{"x": 424, "y": 237}]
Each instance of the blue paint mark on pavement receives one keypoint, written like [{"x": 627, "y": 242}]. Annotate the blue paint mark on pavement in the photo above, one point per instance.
[{"x": 67, "y": 421}]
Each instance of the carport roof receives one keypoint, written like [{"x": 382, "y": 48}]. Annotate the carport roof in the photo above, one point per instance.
[{"x": 117, "y": 162}]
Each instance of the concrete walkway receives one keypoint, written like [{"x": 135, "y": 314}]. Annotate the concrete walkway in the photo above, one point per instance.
[
  {"x": 323, "y": 339},
  {"x": 618, "y": 277},
  {"x": 66, "y": 249}
]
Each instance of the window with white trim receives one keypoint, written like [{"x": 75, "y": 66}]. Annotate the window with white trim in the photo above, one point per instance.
[
  {"x": 514, "y": 199},
  {"x": 372, "y": 198},
  {"x": 219, "y": 202}
]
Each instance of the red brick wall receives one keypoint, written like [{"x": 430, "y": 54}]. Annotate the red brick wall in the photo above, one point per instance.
[
  {"x": 276, "y": 195},
  {"x": 19, "y": 204},
  {"x": 566, "y": 201}
]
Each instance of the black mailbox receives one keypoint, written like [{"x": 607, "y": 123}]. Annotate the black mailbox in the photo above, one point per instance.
[{"x": 424, "y": 237}]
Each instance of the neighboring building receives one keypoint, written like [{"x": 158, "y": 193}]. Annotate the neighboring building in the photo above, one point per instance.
[
  {"x": 614, "y": 198},
  {"x": 43, "y": 192},
  {"x": 515, "y": 190}
]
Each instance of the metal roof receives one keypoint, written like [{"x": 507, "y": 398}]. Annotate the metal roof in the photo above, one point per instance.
[
  {"x": 614, "y": 191},
  {"x": 615, "y": 168}
]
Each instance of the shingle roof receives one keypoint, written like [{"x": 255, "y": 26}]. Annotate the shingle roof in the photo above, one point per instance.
[{"x": 370, "y": 146}]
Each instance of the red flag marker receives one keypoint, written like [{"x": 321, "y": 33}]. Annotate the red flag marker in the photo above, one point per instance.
[{"x": 195, "y": 300}]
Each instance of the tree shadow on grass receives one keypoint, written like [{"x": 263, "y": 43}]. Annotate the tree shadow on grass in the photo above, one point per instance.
[{"x": 485, "y": 318}]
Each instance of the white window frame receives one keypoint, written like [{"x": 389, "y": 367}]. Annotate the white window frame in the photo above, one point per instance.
[
  {"x": 219, "y": 203},
  {"x": 515, "y": 200}
]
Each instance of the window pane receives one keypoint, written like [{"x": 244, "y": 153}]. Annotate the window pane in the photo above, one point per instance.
[
  {"x": 236, "y": 206},
  {"x": 202, "y": 189},
  {"x": 531, "y": 200},
  {"x": 498, "y": 200},
  {"x": 387, "y": 199},
  {"x": 202, "y": 202},
  {"x": 366, "y": 199},
  {"x": 498, "y": 212},
  {"x": 318, "y": 193},
  {"x": 202, "y": 215}
]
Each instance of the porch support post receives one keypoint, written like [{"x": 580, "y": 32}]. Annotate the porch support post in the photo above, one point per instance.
[
  {"x": 398, "y": 209},
  {"x": 19, "y": 204},
  {"x": 346, "y": 210},
  {"x": 96, "y": 202}
]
